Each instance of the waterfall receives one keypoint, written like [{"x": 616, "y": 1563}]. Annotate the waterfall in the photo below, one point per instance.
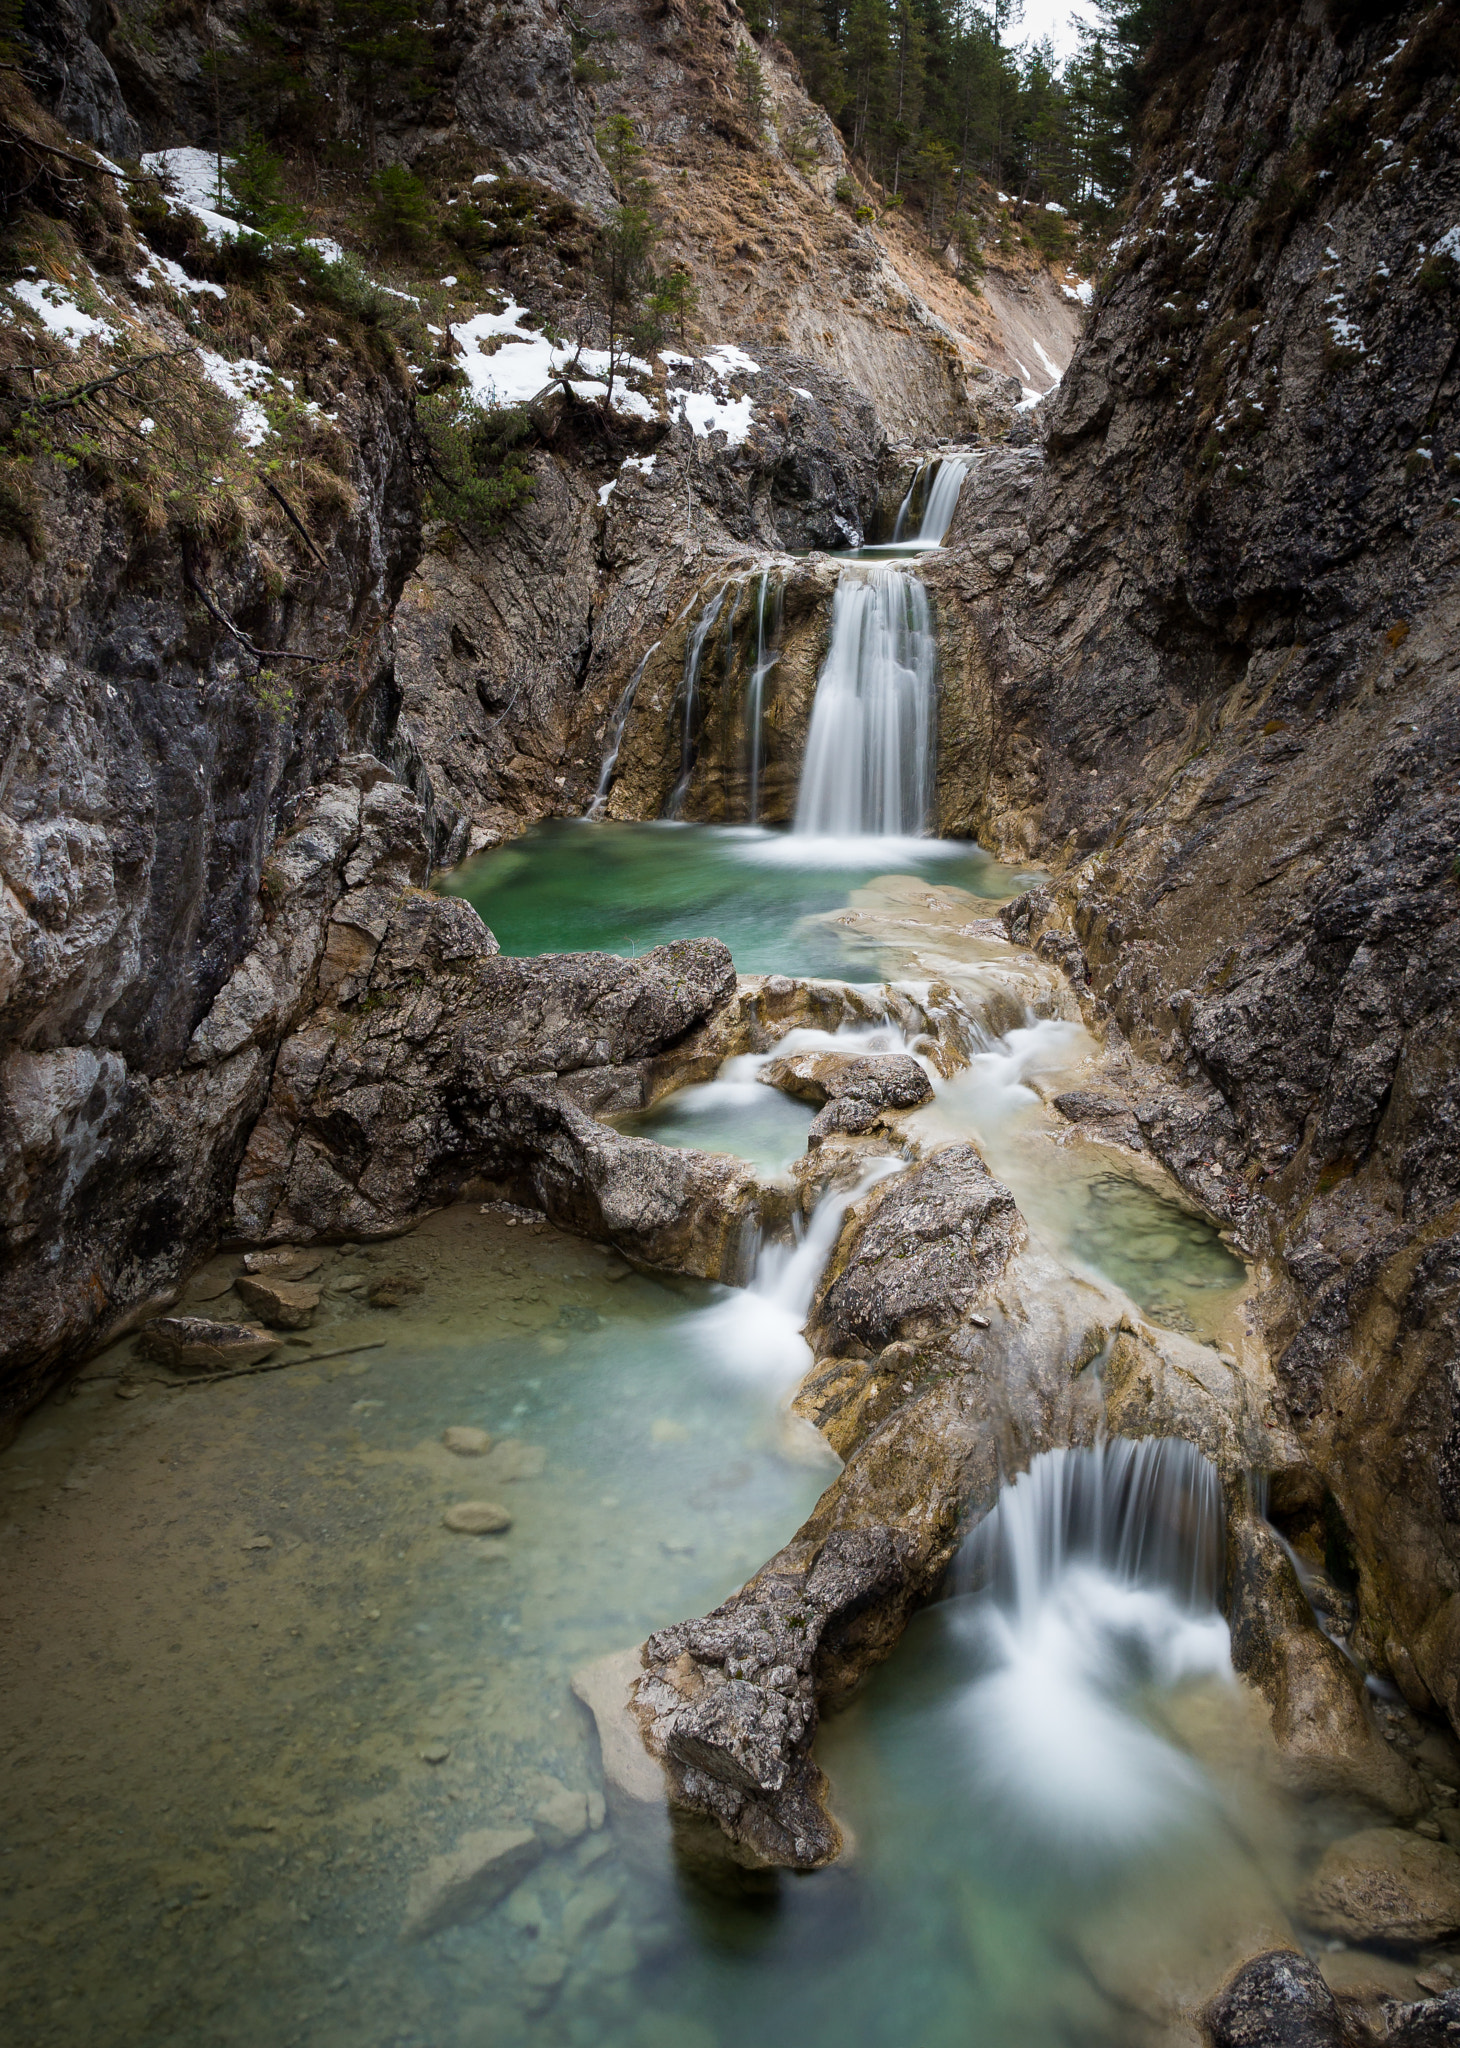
[
  {"x": 756, "y": 1330},
  {"x": 689, "y": 694},
  {"x": 616, "y": 726},
  {"x": 943, "y": 488},
  {"x": 1099, "y": 1572},
  {"x": 767, "y": 625},
  {"x": 870, "y": 751}
]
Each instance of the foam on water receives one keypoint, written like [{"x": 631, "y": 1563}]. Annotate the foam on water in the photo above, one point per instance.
[{"x": 1099, "y": 1571}]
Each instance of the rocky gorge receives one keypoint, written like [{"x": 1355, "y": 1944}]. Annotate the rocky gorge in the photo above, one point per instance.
[{"x": 1181, "y": 659}]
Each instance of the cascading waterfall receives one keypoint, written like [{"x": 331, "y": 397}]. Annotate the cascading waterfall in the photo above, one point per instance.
[
  {"x": 757, "y": 1329},
  {"x": 941, "y": 502},
  {"x": 616, "y": 728},
  {"x": 869, "y": 762},
  {"x": 1098, "y": 1573},
  {"x": 767, "y": 654},
  {"x": 689, "y": 694}
]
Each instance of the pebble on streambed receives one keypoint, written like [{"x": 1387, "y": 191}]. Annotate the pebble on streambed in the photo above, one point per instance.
[{"x": 477, "y": 1518}]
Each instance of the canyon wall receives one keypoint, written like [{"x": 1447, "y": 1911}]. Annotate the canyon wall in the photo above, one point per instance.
[{"x": 1217, "y": 643}]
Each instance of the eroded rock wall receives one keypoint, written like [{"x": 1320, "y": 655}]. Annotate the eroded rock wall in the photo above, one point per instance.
[{"x": 1218, "y": 644}]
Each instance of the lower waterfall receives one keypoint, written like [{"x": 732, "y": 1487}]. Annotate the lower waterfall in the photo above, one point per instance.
[
  {"x": 869, "y": 765},
  {"x": 1098, "y": 1572}
]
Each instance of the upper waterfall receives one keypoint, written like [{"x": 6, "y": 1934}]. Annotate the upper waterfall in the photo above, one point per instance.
[
  {"x": 869, "y": 765},
  {"x": 939, "y": 484}
]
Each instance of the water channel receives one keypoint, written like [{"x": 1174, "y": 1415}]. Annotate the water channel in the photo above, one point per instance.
[{"x": 263, "y": 1685}]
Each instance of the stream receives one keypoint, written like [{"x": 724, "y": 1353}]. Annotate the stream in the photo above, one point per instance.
[{"x": 264, "y": 1684}]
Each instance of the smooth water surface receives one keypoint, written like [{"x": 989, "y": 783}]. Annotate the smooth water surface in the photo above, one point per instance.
[{"x": 575, "y": 886}]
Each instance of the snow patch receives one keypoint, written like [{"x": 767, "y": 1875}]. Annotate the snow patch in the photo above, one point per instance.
[
  {"x": 328, "y": 247},
  {"x": 240, "y": 381},
  {"x": 726, "y": 359},
  {"x": 189, "y": 180},
  {"x": 59, "y": 313}
]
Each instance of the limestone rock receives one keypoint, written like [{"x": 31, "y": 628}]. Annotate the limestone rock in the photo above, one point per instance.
[
  {"x": 633, "y": 1780},
  {"x": 477, "y": 1518},
  {"x": 1388, "y": 1886},
  {"x": 466, "y": 1441},
  {"x": 285, "y": 1304},
  {"x": 483, "y": 1867},
  {"x": 560, "y": 1816},
  {"x": 286, "y": 1262},
  {"x": 920, "y": 1251},
  {"x": 885, "y": 1080},
  {"x": 1277, "y": 2000},
  {"x": 193, "y": 1344},
  {"x": 1427, "y": 2023},
  {"x": 1321, "y": 1718}
]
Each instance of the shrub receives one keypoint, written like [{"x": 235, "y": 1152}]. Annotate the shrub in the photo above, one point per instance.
[
  {"x": 258, "y": 195},
  {"x": 476, "y": 464},
  {"x": 400, "y": 210}
]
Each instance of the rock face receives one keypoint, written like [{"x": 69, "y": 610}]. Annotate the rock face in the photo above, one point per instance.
[
  {"x": 513, "y": 656},
  {"x": 432, "y": 1061},
  {"x": 1387, "y": 1886},
  {"x": 1213, "y": 645},
  {"x": 150, "y": 767}
]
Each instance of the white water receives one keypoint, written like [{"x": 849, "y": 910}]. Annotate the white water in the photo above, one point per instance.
[
  {"x": 689, "y": 694},
  {"x": 1099, "y": 1571},
  {"x": 755, "y": 1332},
  {"x": 870, "y": 751},
  {"x": 616, "y": 727},
  {"x": 941, "y": 503},
  {"x": 767, "y": 616}
]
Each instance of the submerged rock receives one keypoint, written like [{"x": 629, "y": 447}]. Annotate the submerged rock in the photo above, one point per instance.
[
  {"x": 194, "y": 1344},
  {"x": 1385, "y": 1885},
  {"x": 560, "y": 1815},
  {"x": 483, "y": 1867},
  {"x": 466, "y": 1441},
  {"x": 477, "y": 1518}
]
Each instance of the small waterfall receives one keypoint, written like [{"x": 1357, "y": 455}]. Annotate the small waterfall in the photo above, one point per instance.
[
  {"x": 1098, "y": 1573},
  {"x": 767, "y": 654},
  {"x": 689, "y": 695},
  {"x": 944, "y": 482},
  {"x": 616, "y": 726},
  {"x": 756, "y": 1330},
  {"x": 869, "y": 754},
  {"x": 1146, "y": 1511}
]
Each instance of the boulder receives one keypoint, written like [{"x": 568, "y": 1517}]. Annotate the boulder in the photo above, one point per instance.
[
  {"x": 284, "y": 1304},
  {"x": 919, "y": 1252},
  {"x": 1277, "y": 2000},
  {"x": 194, "y": 1344},
  {"x": 886, "y": 1080},
  {"x": 483, "y": 1867},
  {"x": 1428, "y": 2023},
  {"x": 1388, "y": 1886}
]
